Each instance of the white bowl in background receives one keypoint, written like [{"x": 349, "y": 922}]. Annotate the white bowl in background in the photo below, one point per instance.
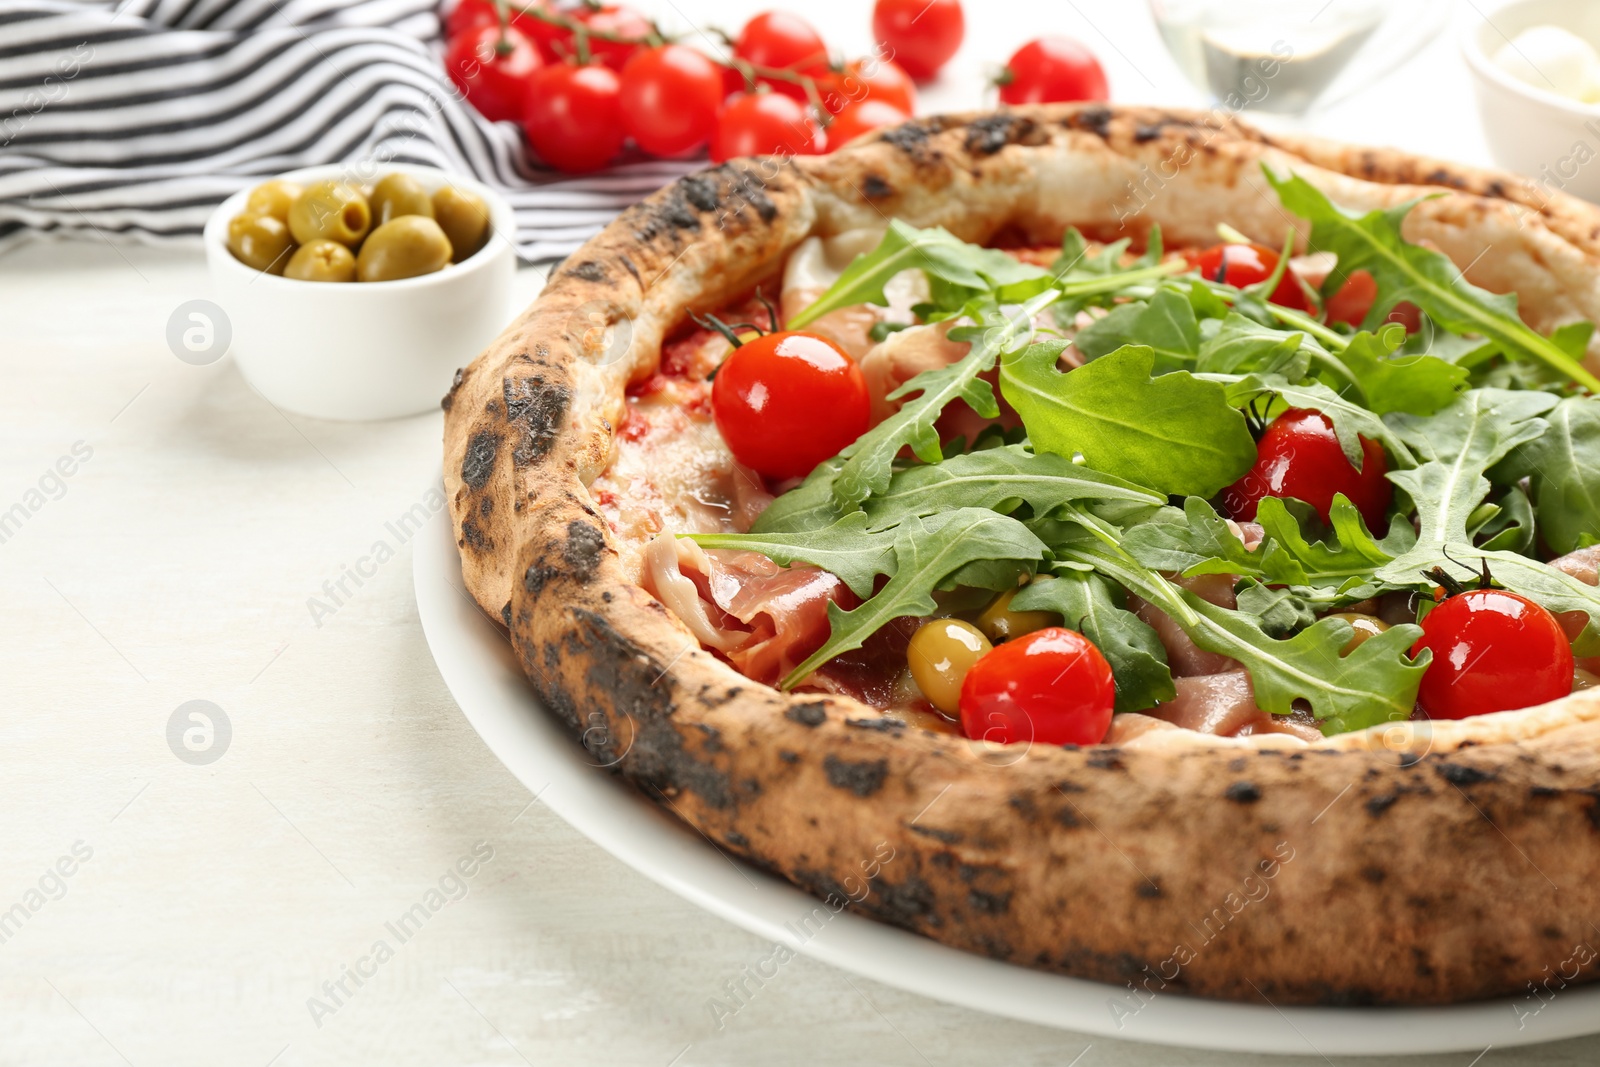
[
  {"x": 363, "y": 350},
  {"x": 1551, "y": 139}
]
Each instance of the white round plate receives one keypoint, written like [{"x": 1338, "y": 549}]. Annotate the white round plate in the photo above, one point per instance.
[{"x": 483, "y": 675}]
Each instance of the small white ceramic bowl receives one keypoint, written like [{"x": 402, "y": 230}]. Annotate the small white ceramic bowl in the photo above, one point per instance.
[
  {"x": 1535, "y": 132},
  {"x": 363, "y": 350}
]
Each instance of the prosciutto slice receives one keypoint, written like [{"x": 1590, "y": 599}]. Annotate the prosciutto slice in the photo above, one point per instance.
[
  {"x": 1185, "y": 657},
  {"x": 1225, "y": 704},
  {"x": 763, "y": 618}
]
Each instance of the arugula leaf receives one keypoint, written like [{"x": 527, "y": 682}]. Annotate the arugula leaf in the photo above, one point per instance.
[
  {"x": 938, "y": 253},
  {"x": 868, "y": 462},
  {"x": 1563, "y": 468},
  {"x": 1242, "y": 346},
  {"x": 1405, "y": 271},
  {"x": 1351, "y": 553},
  {"x": 996, "y": 478},
  {"x": 1198, "y": 541},
  {"x": 844, "y": 548},
  {"x": 1087, "y": 278},
  {"x": 1097, "y": 609},
  {"x": 1175, "y": 434},
  {"x": 1509, "y": 525},
  {"x": 1166, "y": 323},
  {"x": 1351, "y": 421},
  {"x": 1375, "y": 683},
  {"x": 1282, "y": 610},
  {"x": 927, "y": 551},
  {"x": 1460, "y": 443},
  {"x": 1417, "y": 384}
]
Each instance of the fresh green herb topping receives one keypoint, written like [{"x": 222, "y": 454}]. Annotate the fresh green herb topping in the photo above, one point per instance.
[{"x": 1143, "y": 405}]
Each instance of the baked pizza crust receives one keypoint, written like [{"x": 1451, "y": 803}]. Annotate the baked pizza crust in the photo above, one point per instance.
[{"x": 1405, "y": 864}]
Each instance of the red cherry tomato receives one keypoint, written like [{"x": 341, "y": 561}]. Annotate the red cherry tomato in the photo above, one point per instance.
[
  {"x": 754, "y": 124},
  {"x": 553, "y": 42},
  {"x": 861, "y": 118},
  {"x": 787, "y": 401},
  {"x": 781, "y": 41},
  {"x": 492, "y": 70},
  {"x": 1241, "y": 265},
  {"x": 469, "y": 15},
  {"x": 621, "y": 22},
  {"x": 574, "y": 116},
  {"x": 868, "y": 79},
  {"x": 670, "y": 98},
  {"x": 920, "y": 35},
  {"x": 1052, "y": 69},
  {"x": 1300, "y": 457},
  {"x": 1351, "y": 302},
  {"x": 1050, "y": 686},
  {"x": 1492, "y": 651}
]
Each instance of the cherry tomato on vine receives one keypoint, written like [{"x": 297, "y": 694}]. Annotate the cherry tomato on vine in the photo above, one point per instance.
[
  {"x": 1351, "y": 302},
  {"x": 782, "y": 41},
  {"x": 670, "y": 98},
  {"x": 920, "y": 35},
  {"x": 861, "y": 118},
  {"x": 553, "y": 42},
  {"x": 1493, "y": 650},
  {"x": 493, "y": 70},
  {"x": 573, "y": 116},
  {"x": 1299, "y": 456},
  {"x": 1051, "y": 686},
  {"x": 753, "y": 124},
  {"x": 1052, "y": 69},
  {"x": 622, "y": 22},
  {"x": 868, "y": 79},
  {"x": 1240, "y": 265},
  {"x": 469, "y": 15},
  {"x": 787, "y": 401}
]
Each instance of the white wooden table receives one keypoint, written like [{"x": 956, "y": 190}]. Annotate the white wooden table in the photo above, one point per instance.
[{"x": 208, "y": 904}]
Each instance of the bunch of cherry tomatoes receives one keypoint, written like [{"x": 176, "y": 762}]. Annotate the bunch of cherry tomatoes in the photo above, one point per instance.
[{"x": 585, "y": 78}]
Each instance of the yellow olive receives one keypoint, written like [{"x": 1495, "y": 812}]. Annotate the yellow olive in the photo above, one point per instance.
[
  {"x": 331, "y": 211},
  {"x": 260, "y": 242},
  {"x": 398, "y": 194},
  {"x": 322, "y": 261},
  {"x": 999, "y": 623},
  {"x": 404, "y": 248},
  {"x": 940, "y": 654},
  {"x": 464, "y": 217},
  {"x": 272, "y": 198},
  {"x": 1366, "y": 626}
]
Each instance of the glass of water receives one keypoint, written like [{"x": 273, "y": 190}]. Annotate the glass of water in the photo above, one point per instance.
[{"x": 1286, "y": 55}]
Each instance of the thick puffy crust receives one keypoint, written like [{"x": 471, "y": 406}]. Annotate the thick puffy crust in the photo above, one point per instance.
[{"x": 1382, "y": 867}]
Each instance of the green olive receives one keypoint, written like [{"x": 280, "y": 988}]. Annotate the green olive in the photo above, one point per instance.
[
  {"x": 1582, "y": 679},
  {"x": 940, "y": 654},
  {"x": 260, "y": 242},
  {"x": 1366, "y": 626},
  {"x": 464, "y": 217},
  {"x": 272, "y": 198},
  {"x": 322, "y": 261},
  {"x": 999, "y": 623},
  {"x": 404, "y": 248},
  {"x": 332, "y": 211},
  {"x": 399, "y": 194}
]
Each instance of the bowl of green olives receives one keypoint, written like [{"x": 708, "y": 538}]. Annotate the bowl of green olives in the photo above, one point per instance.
[{"x": 355, "y": 291}]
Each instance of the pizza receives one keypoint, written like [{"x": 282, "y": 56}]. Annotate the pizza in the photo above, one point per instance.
[{"x": 1111, "y": 540}]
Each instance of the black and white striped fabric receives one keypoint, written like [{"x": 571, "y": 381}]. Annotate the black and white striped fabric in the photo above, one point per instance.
[{"x": 132, "y": 120}]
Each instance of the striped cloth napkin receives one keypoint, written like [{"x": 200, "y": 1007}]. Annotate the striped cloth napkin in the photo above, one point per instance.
[{"x": 132, "y": 120}]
